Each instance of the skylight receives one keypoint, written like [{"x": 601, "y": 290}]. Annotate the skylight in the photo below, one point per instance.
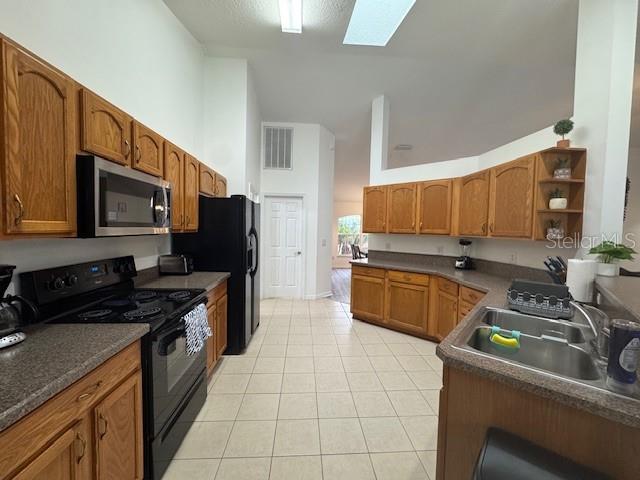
[
  {"x": 373, "y": 22},
  {"x": 291, "y": 16}
]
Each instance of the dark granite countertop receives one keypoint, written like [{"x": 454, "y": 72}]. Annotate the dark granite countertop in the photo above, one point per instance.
[
  {"x": 593, "y": 400},
  {"x": 622, "y": 291},
  {"x": 52, "y": 358},
  {"x": 206, "y": 280}
]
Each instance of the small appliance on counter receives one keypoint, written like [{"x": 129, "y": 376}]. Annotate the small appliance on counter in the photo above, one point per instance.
[
  {"x": 175, "y": 264},
  {"x": 464, "y": 262},
  {"x": 13, "y": 317}
]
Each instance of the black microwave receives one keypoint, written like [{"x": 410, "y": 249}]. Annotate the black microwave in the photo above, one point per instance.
[{"x": 114, "y": 200}]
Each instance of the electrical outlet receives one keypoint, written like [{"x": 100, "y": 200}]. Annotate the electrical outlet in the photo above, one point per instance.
[
  {"x": 440, "y": 249},
  {"x": 324, "y": 242},
  {"x": 387, "y": 246},
  {"x": 513, "y": 258}
]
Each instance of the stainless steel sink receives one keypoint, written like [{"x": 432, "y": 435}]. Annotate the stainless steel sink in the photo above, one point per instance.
[
  {"x": 548, "y": 354},
  {"x": 535, "y": 326}
]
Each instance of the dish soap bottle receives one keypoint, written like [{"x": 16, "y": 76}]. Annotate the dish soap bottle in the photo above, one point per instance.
[{"x": 624, "y": 355}]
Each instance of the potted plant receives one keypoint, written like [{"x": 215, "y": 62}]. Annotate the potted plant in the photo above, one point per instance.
[
  {"x": 563, "y": 168},
  {"x": 555, "y": 230},
  {"x": 563, "y": 127},
  {"x": 609, "y": 253},
  {"x": 557, "y": 200}
]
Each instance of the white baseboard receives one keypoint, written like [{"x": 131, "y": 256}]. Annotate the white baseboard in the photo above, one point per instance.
[{"x": 318, "y": 295}]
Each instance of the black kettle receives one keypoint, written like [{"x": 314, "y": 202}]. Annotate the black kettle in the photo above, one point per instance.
[{"x": 15, "y": 310}]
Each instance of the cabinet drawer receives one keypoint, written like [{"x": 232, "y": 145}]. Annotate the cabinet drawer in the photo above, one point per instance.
[
  {"x": 33, "y": 432},
  {"x": 216, "y": 293},
  {"x": 463, "y": 309},
  {"x": 470, "y": 295},
  {"x": 407, "y": 277},
  {"x": 367, "y": 271},
  {"x": 448, "y": 286}
]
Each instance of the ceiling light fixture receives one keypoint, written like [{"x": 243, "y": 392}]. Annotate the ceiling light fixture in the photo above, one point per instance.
[
  {"x": 373, "y": 22},
  {"x": 291, "y": 16}
]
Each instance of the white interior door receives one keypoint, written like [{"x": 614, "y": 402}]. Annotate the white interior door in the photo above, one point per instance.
[{"x": 283, "y": 247}]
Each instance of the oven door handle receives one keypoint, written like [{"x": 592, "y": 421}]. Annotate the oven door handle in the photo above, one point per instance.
[{"x": 167, "y": 344}]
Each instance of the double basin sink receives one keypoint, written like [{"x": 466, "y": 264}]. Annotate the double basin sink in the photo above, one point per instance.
[{"x": 561, "y": 348}]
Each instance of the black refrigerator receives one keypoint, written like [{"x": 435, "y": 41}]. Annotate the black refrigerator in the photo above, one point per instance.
[{"x": 227, "y": 241}]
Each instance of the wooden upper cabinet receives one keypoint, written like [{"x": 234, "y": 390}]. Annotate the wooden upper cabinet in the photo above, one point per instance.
[
  {"x": 39, "y": 152},
  {"x": 105, "y": 129},
  {"x": 473, "y": 204},
  {"x": 191, "y": 190},
  {"x": 434, "y": 207},
  {"x": 148, "y": 151},
  {"x": 401, "y": 208},
  {"x": 407, "y": 306},
  {"x": 511, "y": 198},
  {"x": 174, "y": 170},
  {"x": 118, "y": 430},
  {"x": 207, "y": 180},
  {"x": 374, "y": 210},
  {"x": 221, "y": 186}
]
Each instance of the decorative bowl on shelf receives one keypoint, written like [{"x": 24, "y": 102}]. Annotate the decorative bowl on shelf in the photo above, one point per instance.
[
  {"x": 555, "y": 233},
  {"x": 557, "y": 203},
  {"x": 562, "y": 173}
]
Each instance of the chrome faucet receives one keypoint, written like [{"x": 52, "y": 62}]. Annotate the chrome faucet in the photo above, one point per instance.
[{"x": 599, "y": 328}]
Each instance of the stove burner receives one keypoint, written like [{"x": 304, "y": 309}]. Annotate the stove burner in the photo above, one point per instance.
[
  {"x": 94, "y": 314},
  {"x": 179, "y": 296},
  {"x": 141, "y": 313},
  {"x": 144, "y": 296},
  {"x": 117, "y": 302}
]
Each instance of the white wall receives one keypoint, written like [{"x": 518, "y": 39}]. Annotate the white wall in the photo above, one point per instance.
[
  {"x": 232, "y": 123},
  {"x": 342, "y": 209},
  {"x": 602, "y": 111},
  {"x": 308, "y": 150},
  {"x": 326, "y": 167},
  {"x": 632, "y": 222},
  {"x": 138, "y": 56}
]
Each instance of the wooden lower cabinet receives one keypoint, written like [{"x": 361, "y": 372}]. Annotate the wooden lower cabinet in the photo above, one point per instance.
[
  {"x": 471, "y": 404},
  {"x": 90, "y": 430},
  {"x": 446, "y": 312},
  {"x": 118, "y": 426},
  {"x": 65, "y": 459},
  {"x": 217, "y": 318},
  {"x": 407, "y": 307},
  {"x": 415, "y": 303},
  {"x": 367, "y": 297}
]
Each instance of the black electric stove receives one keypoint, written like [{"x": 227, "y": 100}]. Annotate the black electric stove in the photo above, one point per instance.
[{"x": 174, "y": 382}]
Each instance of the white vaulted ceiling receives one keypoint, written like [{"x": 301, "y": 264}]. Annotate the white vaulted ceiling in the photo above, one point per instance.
[{"x": 462, "y": 76}]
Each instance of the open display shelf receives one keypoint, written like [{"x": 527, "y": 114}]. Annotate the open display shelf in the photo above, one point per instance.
[{"x": 571, "y": 217}]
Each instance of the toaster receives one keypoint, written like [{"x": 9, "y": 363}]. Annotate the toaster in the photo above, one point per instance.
[{"x": 176, "y": 264}]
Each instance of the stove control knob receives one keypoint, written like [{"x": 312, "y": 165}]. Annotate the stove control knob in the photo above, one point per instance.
[
  {"x": 56, "y": 284},
  {"x": 71, "y": 280}
]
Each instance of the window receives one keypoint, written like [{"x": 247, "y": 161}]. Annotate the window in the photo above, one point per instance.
[
  {"x": 277, "y": 147},
  {"x": 350, "y": 233}
]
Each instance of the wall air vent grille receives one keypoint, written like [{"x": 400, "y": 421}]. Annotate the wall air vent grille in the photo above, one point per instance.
[{"x": 277, "y": 147}]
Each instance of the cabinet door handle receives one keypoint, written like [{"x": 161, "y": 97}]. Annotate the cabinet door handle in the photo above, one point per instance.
[
  {"x": 484, "y": 227},
  {"x": 90, "y": 391},
  {"x": 81, "y": 448},
  {"x": 187, "y": 223},
  {"x": 102, "y": 426},
  {"x": 491, "y": 227},
  {"x": 127, "y": 151},
  {"x": 20, "y": 215},
  {"x": 138, "y": 154}
]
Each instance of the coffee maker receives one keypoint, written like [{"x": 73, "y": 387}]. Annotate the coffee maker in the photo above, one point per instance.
[
  {"x": 15, "y": 311},
  {"x": 464, "y": 262}
]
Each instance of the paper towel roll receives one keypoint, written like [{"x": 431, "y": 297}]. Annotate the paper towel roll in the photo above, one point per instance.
[{"x": 581, "y": 275}]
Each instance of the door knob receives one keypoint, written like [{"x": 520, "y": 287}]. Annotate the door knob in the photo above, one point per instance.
[{"x": 298, "y": 253}]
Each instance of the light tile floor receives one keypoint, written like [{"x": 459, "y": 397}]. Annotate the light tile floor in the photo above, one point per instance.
[{"x": 317, "y": 395}]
